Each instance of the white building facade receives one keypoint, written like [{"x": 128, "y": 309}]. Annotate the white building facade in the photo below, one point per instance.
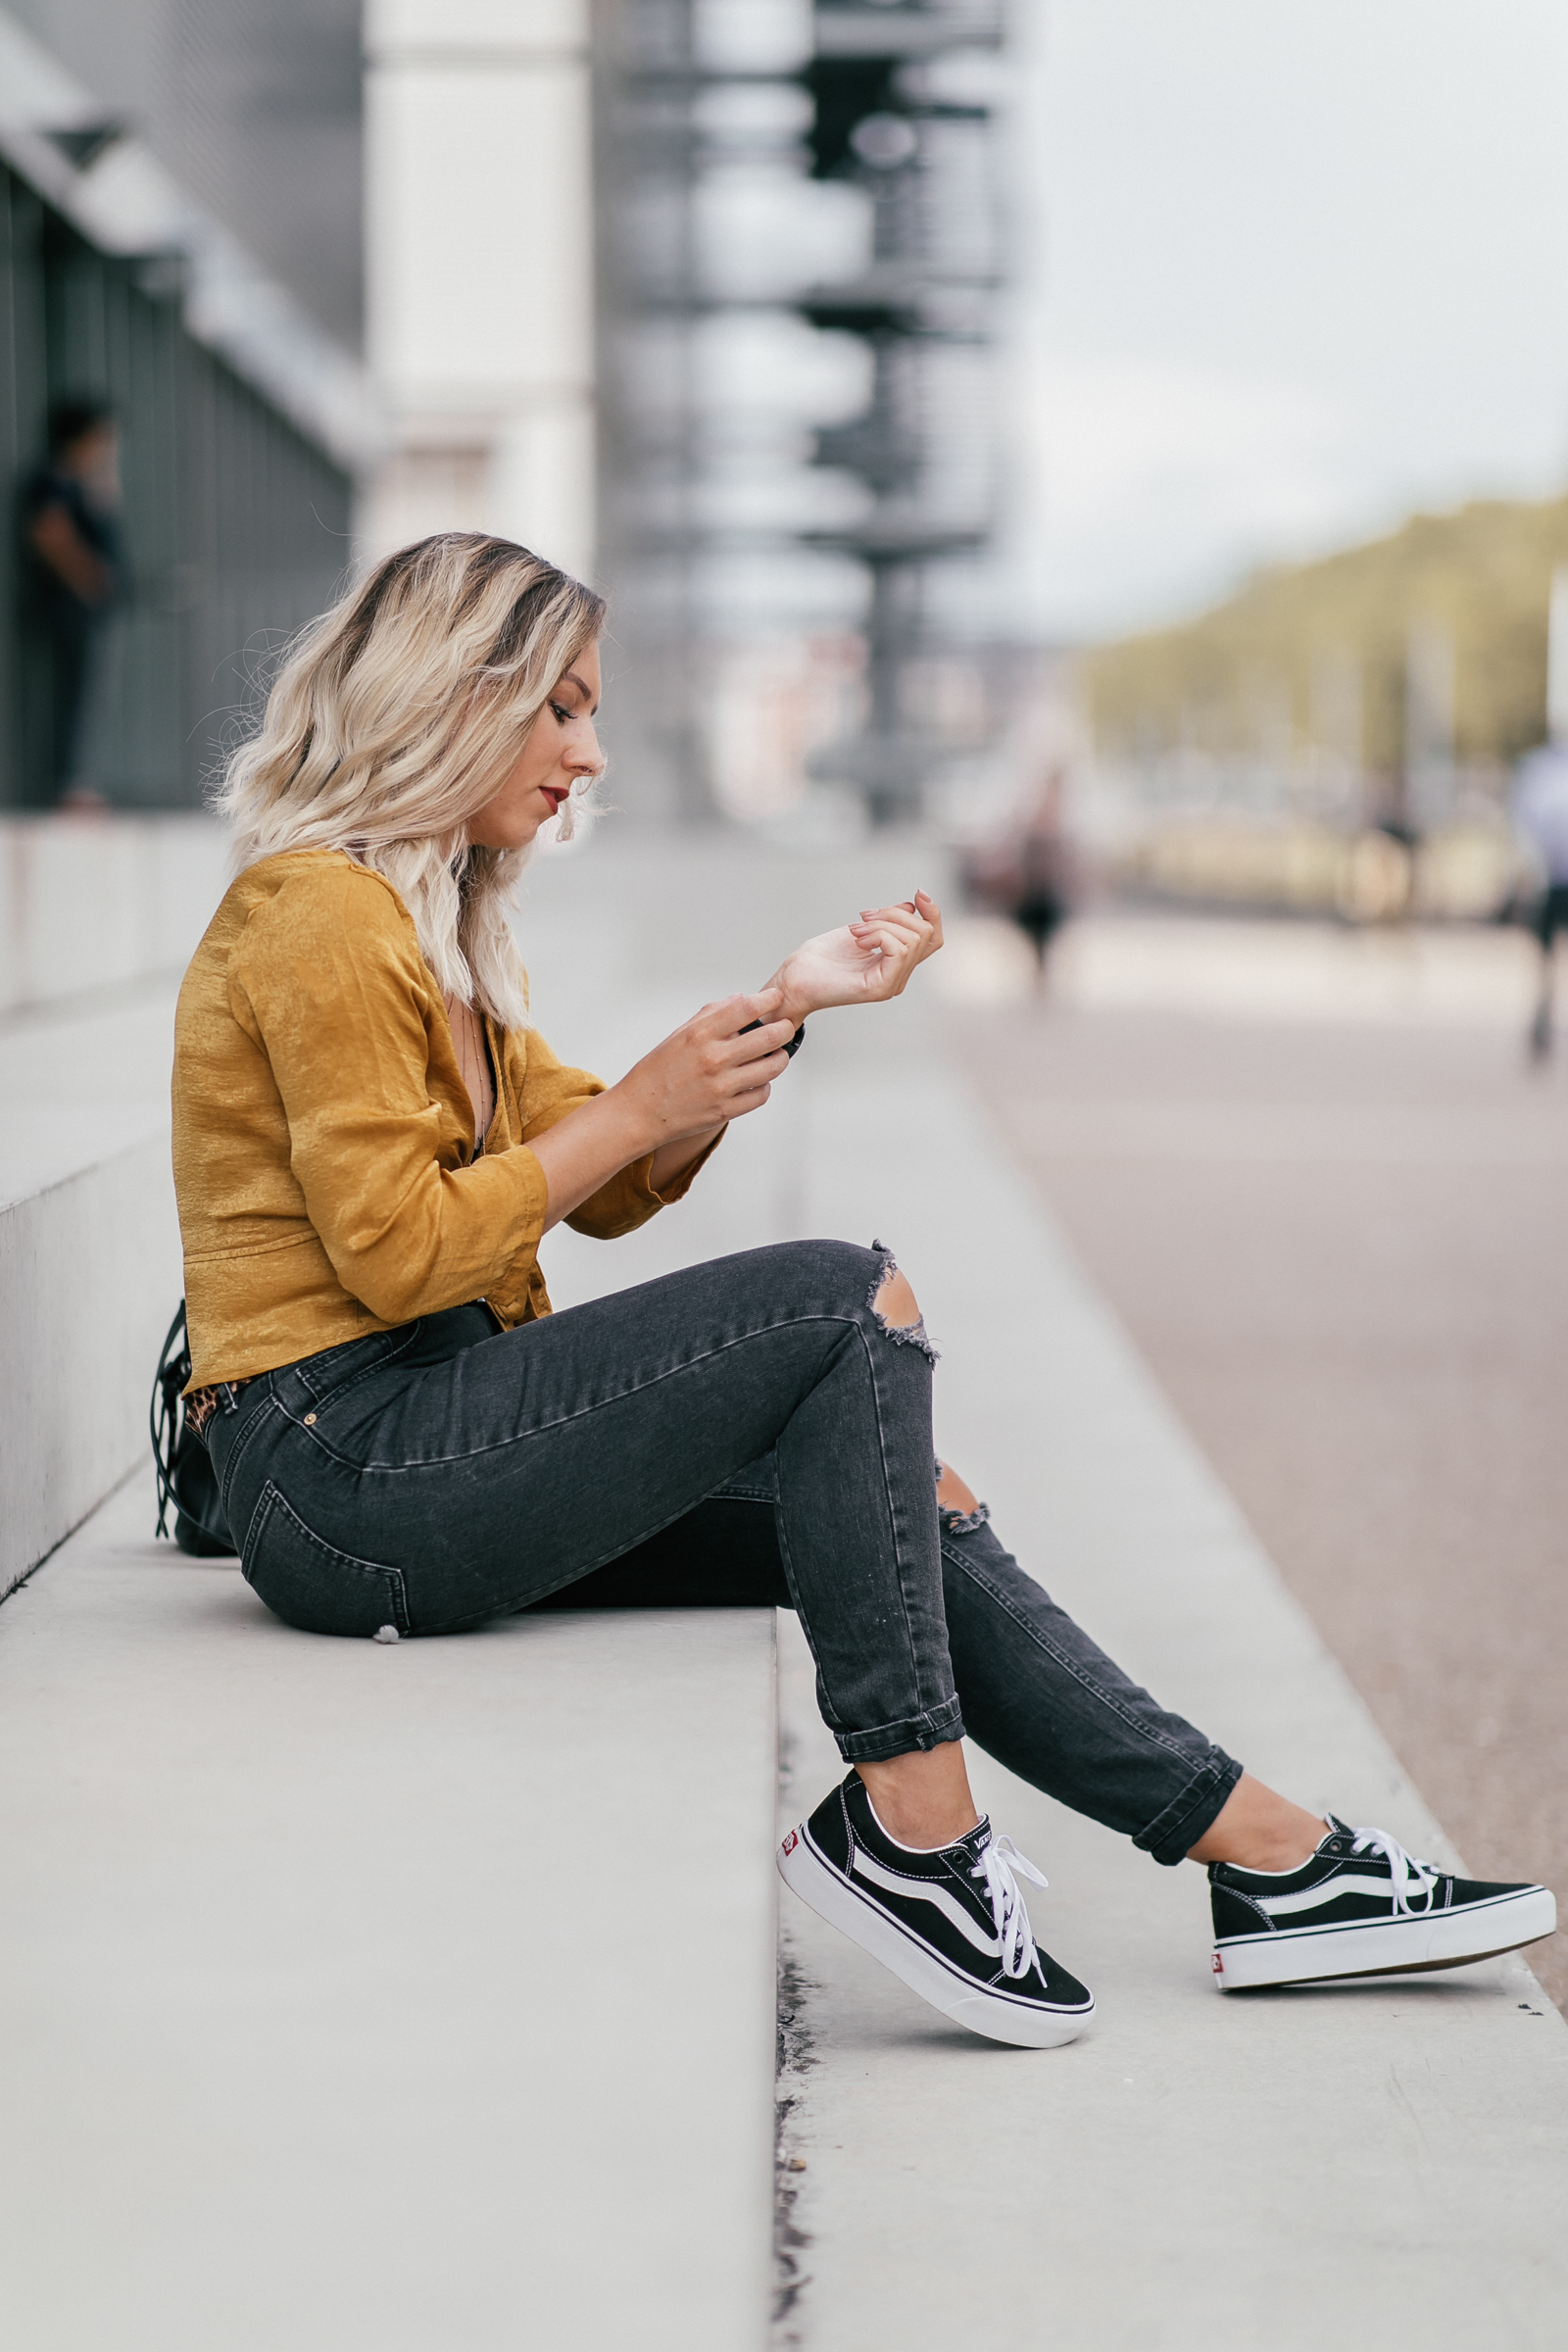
[{"x": 479, "y": 270}]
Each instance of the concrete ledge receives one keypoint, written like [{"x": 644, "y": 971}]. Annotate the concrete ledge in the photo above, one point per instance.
[
  {"x": 92, "y": 902},
  {"x": 89, "y": 1254},
  {"x": 377, "y": 1999},
  {"x": 89, "y": 1277}
]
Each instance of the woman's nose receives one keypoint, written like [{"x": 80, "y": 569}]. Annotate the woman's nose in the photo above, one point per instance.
[{"x": 586, "y": 758}]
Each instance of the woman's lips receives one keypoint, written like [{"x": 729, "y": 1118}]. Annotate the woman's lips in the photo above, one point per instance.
[{"x": 554, "y": 794}]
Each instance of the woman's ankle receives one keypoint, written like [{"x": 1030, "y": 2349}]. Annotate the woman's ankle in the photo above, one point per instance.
[
  {"x": 922, "y": 1800},
  {"x": 1256, "y": 1829}
]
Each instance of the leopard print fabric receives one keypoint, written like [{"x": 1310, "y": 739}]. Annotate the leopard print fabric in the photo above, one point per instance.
[{"x": 202, "y": 1403}]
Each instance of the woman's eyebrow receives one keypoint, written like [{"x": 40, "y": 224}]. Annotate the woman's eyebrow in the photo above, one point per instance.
[{"x": 572, "y": 679}]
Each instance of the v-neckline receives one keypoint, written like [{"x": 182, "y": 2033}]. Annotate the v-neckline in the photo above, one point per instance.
[{"x": 482, "y": 1024}]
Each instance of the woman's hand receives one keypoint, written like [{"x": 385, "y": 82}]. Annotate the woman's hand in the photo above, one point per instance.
[
  {"x": 714, "y": 1069},
  {"x": 860, "y": 963}
]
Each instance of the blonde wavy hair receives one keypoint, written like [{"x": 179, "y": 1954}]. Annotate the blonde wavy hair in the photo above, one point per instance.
[{"x": 394, "y": 719}]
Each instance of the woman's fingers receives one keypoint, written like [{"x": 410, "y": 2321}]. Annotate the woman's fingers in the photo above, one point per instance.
[
  {"x": 898, "y": 950},
  {"x": 899, "y": 934},
  {"x": 931, "y": 912},
  {"x": 882, "y": 931},
  {"x": 886, "y": 940},
  {"x": 754, "y": 1044},
  {"x": 911, "y": 930},
  {"x": 883, "y": 927},
  {"x": 908, "y": 920},
  {"x": 734, "y": 1035},
  {"x": 736, "y": 1016},
  {"x": 716, "y": 1067},
  {"x": 906, "y": 912},
  {"x": 761, "y": 1069}
]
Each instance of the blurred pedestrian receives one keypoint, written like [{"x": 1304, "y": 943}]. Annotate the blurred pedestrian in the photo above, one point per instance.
[
  {"x": 1028, "y": 875},
  {"x": 1043, "y": 898},
  {"x": 70, "y": 524},
  {"x": 1541, "y": 813}
]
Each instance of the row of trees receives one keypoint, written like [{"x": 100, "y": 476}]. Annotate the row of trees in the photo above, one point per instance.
[{"x": 1439, "y": 630}]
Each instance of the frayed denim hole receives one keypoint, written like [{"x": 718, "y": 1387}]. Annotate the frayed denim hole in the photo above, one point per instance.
[
  {"x": 965, "y": 1523},
  {"x": 902, "y": 1335}
]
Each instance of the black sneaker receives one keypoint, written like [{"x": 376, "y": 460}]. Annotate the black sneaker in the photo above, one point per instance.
[
  {"x": 952, "y": 1924},
  {"x": 1360, "y": 1906}
]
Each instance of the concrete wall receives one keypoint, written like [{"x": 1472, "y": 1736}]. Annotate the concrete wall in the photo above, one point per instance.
[
  {"x": 89, "y": 1277},
  {"x": 90, "y": 902},
  {"x": 98, "y": 916}
]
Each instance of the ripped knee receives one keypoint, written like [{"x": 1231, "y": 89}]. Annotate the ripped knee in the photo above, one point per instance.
[
  {"x": 954, "y": 1493},
  {"x": 896, "y": 1306},
  {"x": 958, "y": 1507}
]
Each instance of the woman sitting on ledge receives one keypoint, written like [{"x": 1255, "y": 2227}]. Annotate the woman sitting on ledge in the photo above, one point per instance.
[{"x": 369, "y": 1144}]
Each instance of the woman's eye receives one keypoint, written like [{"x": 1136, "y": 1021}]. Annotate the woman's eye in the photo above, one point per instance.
[{"x": 562, "y": 714}]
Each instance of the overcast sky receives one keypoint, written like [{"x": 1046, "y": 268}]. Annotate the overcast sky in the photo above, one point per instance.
[{"x": 1290, "y": 270}]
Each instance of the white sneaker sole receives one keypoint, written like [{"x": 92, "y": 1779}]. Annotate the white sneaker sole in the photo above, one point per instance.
[
  {"x": 995, "y": 2015},
  {"x": 1391, "y": 1948}
]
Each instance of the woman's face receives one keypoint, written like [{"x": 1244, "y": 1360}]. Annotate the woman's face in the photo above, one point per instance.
[{"x": 561, "y": 749}]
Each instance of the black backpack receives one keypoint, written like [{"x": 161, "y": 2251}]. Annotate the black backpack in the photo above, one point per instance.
[{"x": 185, "y": 1474}]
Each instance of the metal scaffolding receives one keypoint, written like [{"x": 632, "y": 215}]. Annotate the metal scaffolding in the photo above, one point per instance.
[{"x": 834, "y": 172}]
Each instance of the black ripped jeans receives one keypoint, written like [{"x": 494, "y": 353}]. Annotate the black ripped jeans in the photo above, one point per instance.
[{"x": 747, "y": 1431}]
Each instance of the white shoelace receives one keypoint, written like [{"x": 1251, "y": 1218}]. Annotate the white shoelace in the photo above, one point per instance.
[
  {"x": 1405, "y": 1870},
  {"x": 996, "y": 1864}
]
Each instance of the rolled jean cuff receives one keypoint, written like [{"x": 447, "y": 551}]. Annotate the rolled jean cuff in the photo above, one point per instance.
[
  {"x": 934, "y": 1728},
  {"x": 1171, "y": 1835}
]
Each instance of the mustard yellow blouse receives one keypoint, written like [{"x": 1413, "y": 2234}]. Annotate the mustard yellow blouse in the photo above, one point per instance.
[{"x": 324, "y": 1141}]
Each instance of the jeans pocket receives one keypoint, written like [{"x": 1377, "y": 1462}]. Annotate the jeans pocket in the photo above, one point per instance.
[{"x": 309, "y": 1584}]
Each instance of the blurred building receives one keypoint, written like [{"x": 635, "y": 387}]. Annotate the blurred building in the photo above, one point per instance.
[
  {"x": 254, "y": 106},
  {"x": 479, "y": 214},
  {"x": 695, "y": 296},
  {"x": 180, "y": 239}
]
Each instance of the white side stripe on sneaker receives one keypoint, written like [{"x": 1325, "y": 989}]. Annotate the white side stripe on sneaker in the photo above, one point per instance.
[
  {"x": 1328, "y": 1891},
  {"x": 925, "y": 1890}
]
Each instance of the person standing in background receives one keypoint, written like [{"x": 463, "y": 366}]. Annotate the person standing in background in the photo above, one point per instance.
[
  {"x": 1028, "y": 875},
  {"x": 68, "y": 517},
  {"x": 1541, "y": 813}
]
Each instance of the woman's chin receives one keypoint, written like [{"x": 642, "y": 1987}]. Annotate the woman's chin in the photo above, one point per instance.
[{"x": 519, "y": 836}]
